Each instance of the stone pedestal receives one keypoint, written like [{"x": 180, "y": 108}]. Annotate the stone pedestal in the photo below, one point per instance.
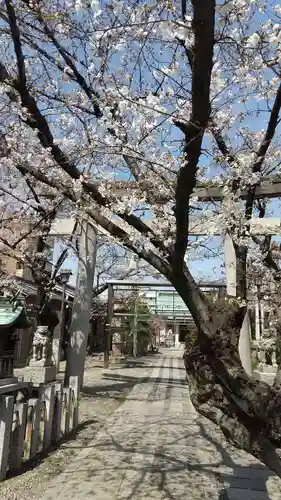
[
  {"x": 266, "y": 371},
  {"x": 265, "y": 368},
  {"x": 117, "y": 351},
  {"x": 117, "y": 347},
  {"x": 39, "y": 374},
  {"x": 40, "y": 369}
]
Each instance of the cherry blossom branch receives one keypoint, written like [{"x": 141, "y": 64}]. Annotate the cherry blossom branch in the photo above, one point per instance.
[
  {"x": 250, "y": 200},
  {"x": 119, "y": 233},
  {"x": 270, "y": 132},
  {"x": 46, "y": 217},
  {"x": 92, "y": 95},
  {"x": 78, "y": 77},
  {"x": 38, "y": 121},
  {"x": 21, "y": 200},
  {"x": 40, "y": 208},
  {"x": 263, "y": 149}
]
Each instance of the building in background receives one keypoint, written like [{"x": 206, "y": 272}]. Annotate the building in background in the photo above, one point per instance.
[
  {"x": 176, "y": 320},
  {"x": 13, "y": 266}
]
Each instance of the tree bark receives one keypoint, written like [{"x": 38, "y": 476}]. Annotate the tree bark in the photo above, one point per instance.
[{"x": 247, "y": 411}]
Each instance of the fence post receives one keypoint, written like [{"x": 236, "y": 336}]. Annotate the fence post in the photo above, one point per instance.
[
  {"x": 66, "y": 391},
  {"x": 18, "y": 436},
  {"x": 48, "y": 396},
  {"x": 36, "y": 414},
  {"x": 56, "y": 431},
  {"x": 6, "y": 422},
  {"x": 74, "y": 385}
]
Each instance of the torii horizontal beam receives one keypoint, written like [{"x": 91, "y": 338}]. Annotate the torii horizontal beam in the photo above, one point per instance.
[
  {"x": 266, "y": 226},
  {"x": 269, "y": 187},
  {"x": 160, "y": 284}
]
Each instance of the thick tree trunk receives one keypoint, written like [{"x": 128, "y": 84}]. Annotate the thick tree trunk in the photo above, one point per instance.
[{"x": 247, "y": 411}]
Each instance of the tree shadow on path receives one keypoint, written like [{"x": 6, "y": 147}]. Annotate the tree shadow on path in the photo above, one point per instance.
[{"x": 237, "y": 480}]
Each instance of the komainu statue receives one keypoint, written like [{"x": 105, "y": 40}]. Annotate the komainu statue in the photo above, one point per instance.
[{"x": 41, "y": 346}]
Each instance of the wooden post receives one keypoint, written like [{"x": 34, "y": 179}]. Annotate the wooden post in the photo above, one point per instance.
[
  {"x": 135, "y": 325},
  {"x": 110, "y": 306},
  {"x": 262, "y": 317},
  {"x": 18, "y": 437},
  {"x": 56, "y": 343},
  {"x": 6, "y": 422},
  {"x": 56, "y": 431},
  {"x": 82, "y": 305},
  {"x": 48, "y": 396},
  {"x": 36, "y": 415},
  {"x": 257, "y": 321}
]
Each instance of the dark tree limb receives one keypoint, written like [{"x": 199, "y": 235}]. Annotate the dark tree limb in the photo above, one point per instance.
[
  {"x": 250, "y": 199},
  {"x": 203, "y": 27},
  {"x": 92, "y": 95},
  {"x": 263, "y": 149},
  {"x": 212, "y": 126}
]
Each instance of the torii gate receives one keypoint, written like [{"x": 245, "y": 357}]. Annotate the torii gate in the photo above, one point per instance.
[{"x": 85, "y": 278}]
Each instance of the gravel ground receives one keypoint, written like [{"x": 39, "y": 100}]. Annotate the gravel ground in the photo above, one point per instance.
[{"x": 103, "y": 392}]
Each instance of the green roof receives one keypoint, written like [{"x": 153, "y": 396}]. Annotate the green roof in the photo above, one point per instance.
[{"x": 12, "y": 313}]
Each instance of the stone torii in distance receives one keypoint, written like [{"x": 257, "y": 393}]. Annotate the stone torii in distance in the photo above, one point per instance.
[{"x": 85, "y": 279}]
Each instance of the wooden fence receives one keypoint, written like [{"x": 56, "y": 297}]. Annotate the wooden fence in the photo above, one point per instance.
[{"x": 29, "y": 428}]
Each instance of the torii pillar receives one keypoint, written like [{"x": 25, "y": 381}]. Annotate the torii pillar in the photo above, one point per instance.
[
  {"x": 244, "y": 344},
  {"x": 82, "y": 305}
]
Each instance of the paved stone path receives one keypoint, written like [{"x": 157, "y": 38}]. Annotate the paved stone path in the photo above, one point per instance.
[{"x": 155, "y": 447}]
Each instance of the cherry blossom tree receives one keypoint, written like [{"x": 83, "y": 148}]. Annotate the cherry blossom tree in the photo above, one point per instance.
[
  {"x": 116, "y": 262},
  {"x": 157, "y": 96}
]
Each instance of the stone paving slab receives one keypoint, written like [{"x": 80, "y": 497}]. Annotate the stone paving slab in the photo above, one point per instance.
[{"x": 156, "y": 447}]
